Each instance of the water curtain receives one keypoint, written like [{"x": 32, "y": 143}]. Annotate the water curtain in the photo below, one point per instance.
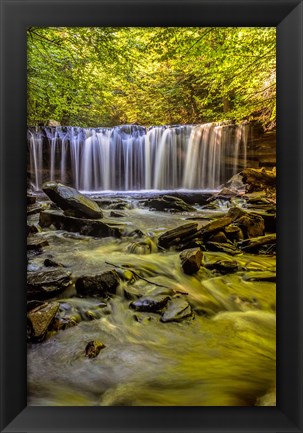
[{"x": 131, "y": 157}]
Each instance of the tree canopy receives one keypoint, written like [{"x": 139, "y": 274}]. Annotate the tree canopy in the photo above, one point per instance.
[{"x": 105, "y": 76}]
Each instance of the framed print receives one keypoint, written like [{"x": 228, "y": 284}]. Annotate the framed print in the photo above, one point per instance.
[{"x": 147, "y": 144}]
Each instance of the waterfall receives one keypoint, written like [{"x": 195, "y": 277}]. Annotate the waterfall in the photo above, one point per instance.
[{"x": 129, "y": 157}]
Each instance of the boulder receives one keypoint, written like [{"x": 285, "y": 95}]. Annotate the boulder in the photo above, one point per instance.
[
  {"x": 47, "y": 284},
  {"x": 177, "y": 309},
  {"x": 36, "y": 243},
  {"x": 215, "y": 226},
  {"x": 233, "y": 232},
  {"x": 49, "y": 263},
  {"x": 98, "y": 285},
  {"x": 71, "y": 200},
  {"x": 258, "y": 179},
  {"x": 152, "y": 303},
  {"x": 168, "y": 202},
  {"x": 93, "y": 348},
  {"x": 178, "y": 235},
  {"x": 87, "y": 227},
  {"x": 251, "y": 225},
  {"x": 254, "y": 245},
  {"x": 191, "y": 260},
  {"x": 40, "y": 319},
  {"x": 219, "y": 237}
]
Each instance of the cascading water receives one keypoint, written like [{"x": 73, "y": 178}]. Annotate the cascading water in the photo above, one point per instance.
[{"x": 129, "y": 157}]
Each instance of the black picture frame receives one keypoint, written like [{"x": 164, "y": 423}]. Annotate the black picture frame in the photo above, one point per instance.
[{"x": 16, "y": 16}]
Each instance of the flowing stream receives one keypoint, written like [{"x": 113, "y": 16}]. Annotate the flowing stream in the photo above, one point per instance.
[{"x": 223, "y": 358}]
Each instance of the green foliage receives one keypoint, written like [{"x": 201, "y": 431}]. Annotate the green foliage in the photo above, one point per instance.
[{"x": 155, "y": 75}]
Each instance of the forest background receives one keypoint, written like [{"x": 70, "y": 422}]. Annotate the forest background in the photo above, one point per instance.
[{"x": 106, "y": 76}]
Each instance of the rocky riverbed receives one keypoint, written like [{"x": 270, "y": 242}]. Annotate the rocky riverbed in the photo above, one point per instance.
[{"x": 153, "y": 299}]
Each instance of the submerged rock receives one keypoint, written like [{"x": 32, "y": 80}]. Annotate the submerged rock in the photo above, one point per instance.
[
  {"x": 93, "y": 348},
  {"x": 223, "y": 266},
  {"x": 98, "y": 285},
  {"x": 47, "y": 284},
  {"x": 71, "y": 200},
  {"x": 144, "y": 247},
  {"x": 152, "y": 303},
  {"x": 168, "y": 202},
  {"x": 40, "y": 319},
  {"x": 191, "y": 260},
  {"x": 177, "y": 309},
  {"x": 115, "y": 214},
  {"x": 178, "y": 235}
]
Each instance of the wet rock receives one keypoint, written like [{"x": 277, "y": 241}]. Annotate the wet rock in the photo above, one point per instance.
[
  {"x": 224, "y": 248},
  {"x": 178, "y": 235},
  {"x": 34, "y": 209},
  {"x": 47, "y": 284},
  {"x": 32, "y": 229},
  {"x": 177, "y": 309},
  {"x": 120, "y": 205},
  {"x": 143, "y": 247},
  {"x": 233, "y": 232},
  {"x": 156, "y": 290},
  {"x": 70, "y": 200},
  {"x": 223, "y": 266},
  {"x": 150, "y": 303},
  {"x": 115, "y": 214},
  {"x": 236, "y": 183},
  {"x": 86, "y": 227},
  {"x": 128, "y": 231},
  {"x": 30, "y": 199},
  {"x": 256, "y": 244},
  {"x": 36, "y": 243},
  {"x": 251, "y": 225},
  {"x": 224, "y": 194},
  {"x": 168, "y": 202},
  {"x": 258, "y": 179},
  {"x": 215, "y": 226},
  {"x": 98, "y": 285},
  {"x": 260, "y": 276},
  {"x": 49, "y": 263},
  {"x": 219, "y": 237},
  {"x": 191, "y": 260},
  {"x": 133, "y": 293},
  {"x": 93, "y": 348},
  {"x": 40, "y": 319}
]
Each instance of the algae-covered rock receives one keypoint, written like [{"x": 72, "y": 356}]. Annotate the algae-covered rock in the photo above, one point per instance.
[
  {"x": 150, "y": 303},
  {"x": 177, "y": 309},
  {"x": 47, "y": 284}
]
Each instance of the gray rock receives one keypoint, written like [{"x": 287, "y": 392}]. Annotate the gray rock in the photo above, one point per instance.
[
  {"x": 177, "y": 309},
  {"x": 168, "y": 202},
  {"x": 98, "y": 285},
  {"x": 71, "y": 200},
  {"x": 87, "y": 227},
  {"x": 150, "y": 303},
  {"x": 191, "y": 260},
  {"x": 178, "y": 235},
  {"x": 47, "y": 284}
]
